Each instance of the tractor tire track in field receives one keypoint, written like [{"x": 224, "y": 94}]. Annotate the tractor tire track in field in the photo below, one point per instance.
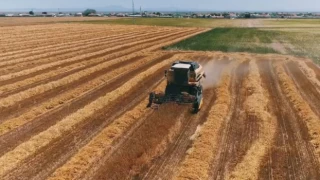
[
  {"x": 239, "y": 129},
  {"x": 40, "y": 50},
  {"x": 164, "y": 166},
  {"x": 81, "y": 133},
  {"x": 43, "y": 122},
  {"x": 291, "y": 157},
  {"x": 36, "y": 99},
  {"x": 315, "y": 68},
  {"x": 307, "y": 89},
  {"x": 28, "y": 61},
  {"x": 14, "y": 77}
]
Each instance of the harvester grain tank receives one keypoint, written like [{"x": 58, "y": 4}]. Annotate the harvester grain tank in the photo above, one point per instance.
[{"x": 183, "y": 86}]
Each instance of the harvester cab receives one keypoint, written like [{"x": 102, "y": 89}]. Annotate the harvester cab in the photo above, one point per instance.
[{"x": 183, "y": 85}]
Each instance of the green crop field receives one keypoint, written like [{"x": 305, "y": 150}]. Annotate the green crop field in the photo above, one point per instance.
[
  {"x": 230, "y": 40},
  {"x": 292, "y": 22},
  {"x": 255, "y": 40},
  {"x": 179, "y": 22},
  {"x": 298, "y": 37}
]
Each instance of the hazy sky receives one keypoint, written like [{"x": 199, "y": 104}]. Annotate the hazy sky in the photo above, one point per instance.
[{"x": 285, "y": 5}]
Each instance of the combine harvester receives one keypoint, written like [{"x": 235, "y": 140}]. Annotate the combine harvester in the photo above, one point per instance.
[{"x": 183, "y": 86}]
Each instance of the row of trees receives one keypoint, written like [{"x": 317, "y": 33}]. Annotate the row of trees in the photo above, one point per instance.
[{"x": 85, "y": 13}]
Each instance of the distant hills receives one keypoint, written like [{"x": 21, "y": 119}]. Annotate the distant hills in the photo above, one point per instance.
[
  {"x": 114, "y": 8},
  {"x": 100, "y": 9}
]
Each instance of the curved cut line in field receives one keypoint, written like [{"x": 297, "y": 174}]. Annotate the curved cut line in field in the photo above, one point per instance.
[
  {"x": 89, "y": 156},
  {"x": 308, "y": 90},
  {"x": 63, "y": 33},
  {"x": 49, "y": 53},
  {"x": 52, "y": 40},
  {"x": 197, "y": 163},
  {"x": 164, "y": 166},
  {"x": 9, "y": 101},
  {"x": 13, "y": 158},
  {"x": 55, "y": 40},
  {"x": 303, "y": 109},
  {"x": 74, "y": 59},
  {"x": 256, "y": 105},
  {"x": 154, "y": 47},
  {"x": 315, "y": 68},
  {"x": 43, "y": 49},
  {"x": 310, "y": 74},
  {"x": 65, "y": 51},
  {"x": 61, "y": 69},
  {"x": 64, "y": 98},
  {"x": 75, "y": 41}
]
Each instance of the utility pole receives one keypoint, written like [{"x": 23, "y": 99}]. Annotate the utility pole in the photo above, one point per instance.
[{"x": 133, "y": 12}]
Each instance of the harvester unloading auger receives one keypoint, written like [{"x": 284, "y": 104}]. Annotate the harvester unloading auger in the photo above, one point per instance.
[{"x": 183, "y": 85}]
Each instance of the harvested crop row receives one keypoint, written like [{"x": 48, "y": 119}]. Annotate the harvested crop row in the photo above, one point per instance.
[
  {"x": 52, "y": 40},
  {"x": 60, "y": 33},
  {"x": 87, "y": 95},
  {"x": 68, "y": 52},
  {"x": 40, "y": 77},
  {"x": 141, "y": 52},
  {"x": 61, "y": 99},
  {"x": 310, "y": 74},
  {"x": 16, "y": 54},
  {"x": 256, "y": 105},
  {"x": 36, "y": 78},
  {"x": 307, "y": 89},
  {"x": 44, "y": 28},
  {"x": 40, "y": 30},
  {"x": 197, "y": 163},
  {"x": 315, "y": 68},
  {"x": 13, "y": 158},
  {"x": 5, "y": 90},
  {"x": 121, "y": 30},
  {"x": 301, "y": 107},
  {"x": 49, "y": 35},
  {"x": 63, "y": 49},
  {"x": 100, "y": 144},
  {"x": 48, "y": 52},
  {"x": 104, "y": 51},
  {"x": 56, "y": 50},
  {"x": 163, "y": 166}
]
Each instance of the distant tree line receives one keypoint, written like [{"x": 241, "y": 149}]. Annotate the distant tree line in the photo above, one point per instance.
[{"x": 89, "y": 11}]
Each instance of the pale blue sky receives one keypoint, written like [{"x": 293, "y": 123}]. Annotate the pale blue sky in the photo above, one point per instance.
[{"x": 259, "y": 5}]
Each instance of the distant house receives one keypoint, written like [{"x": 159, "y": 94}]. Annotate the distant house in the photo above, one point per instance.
[
  {"x": 263, "y": 15},
  {"x": 136, "y": 15},
  {"x": 78, "y": 14},
  {"x": 233, "y": 15},
  {"x": 151, "y": 15},
  {"x": 217, "y": 17},
  {"x": 9, "y": 15},
  {"x": 120, "y": 15},
  {"x": 24, "y": 15},
  {"x": 94, "y": 15}
]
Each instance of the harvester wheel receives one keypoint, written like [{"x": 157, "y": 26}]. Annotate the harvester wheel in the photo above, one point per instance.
[
  {"x": 151, "y": 98},
  {"x": 196, "y": 107}
]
